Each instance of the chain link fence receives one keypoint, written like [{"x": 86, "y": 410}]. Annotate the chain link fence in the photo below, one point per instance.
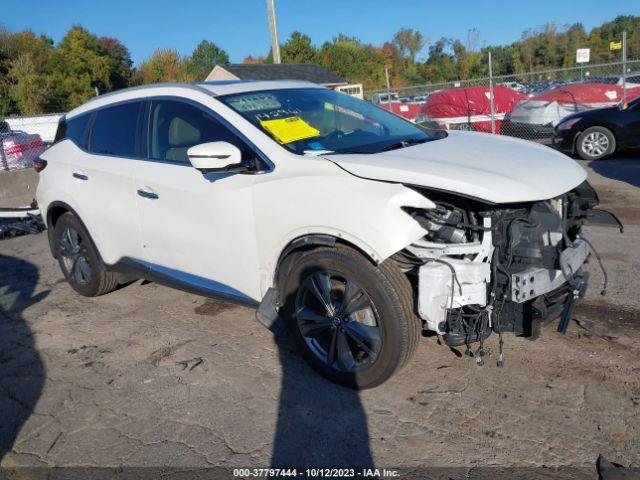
[{"x": 525, "y": 105}]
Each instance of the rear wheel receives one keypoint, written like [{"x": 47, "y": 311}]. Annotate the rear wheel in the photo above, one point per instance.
[
  {"x": 595, "y": 143},
  {"x": 79, "y": 259},
  {"x": 353, "y": 321}
]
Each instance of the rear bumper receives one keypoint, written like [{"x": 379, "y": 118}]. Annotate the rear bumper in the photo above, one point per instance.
[{"x": 528, "y": 131}]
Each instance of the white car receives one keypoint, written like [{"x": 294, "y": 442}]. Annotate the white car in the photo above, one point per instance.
[
  {"x": 518, "y": 87},
  {"x": 385, "y": 98},
  {"x": 358, "y": 228}
]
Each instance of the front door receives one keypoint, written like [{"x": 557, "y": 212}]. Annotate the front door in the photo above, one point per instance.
[{"x": 197, "y": 228}]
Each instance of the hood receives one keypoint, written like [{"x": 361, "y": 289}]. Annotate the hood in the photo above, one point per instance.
[
  {"x": 488, "y": 167},
  {"x": 589, "y": 113}
]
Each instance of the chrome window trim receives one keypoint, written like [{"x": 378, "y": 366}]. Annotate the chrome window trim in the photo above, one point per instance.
[
  {"x": 263, "y": 158},
  {"x": 187, "y": 86},
  {"x": 223, "y": 121}
]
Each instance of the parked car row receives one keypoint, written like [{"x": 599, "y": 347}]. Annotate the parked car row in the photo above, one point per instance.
[
  {"x": 631, "y": 80},
  {"x": 587, "y": 119}
]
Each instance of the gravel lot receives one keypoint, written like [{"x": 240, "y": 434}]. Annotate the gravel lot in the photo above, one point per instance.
[{"x": 149, "y": 376}]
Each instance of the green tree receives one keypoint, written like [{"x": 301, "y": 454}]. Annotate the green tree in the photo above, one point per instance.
[
  {"x": 440, "y": 65},
  {"x": 298, "y": 49},
  {"x": 468, "y": 63},
  {"x": 251, "y": 60},
  {"x": 205, "y": 56},
  {"x": 398, "y": 75},
  {"x": 575, "y": 37},
  {"x": 164, "y": 66},
  {"x": 355, "y": 61},
  {"x": 80, "y": 67},
  {"x": 503, "y": 58},
  {"x": 409, "y": 42},
  {"x": 27, "y": 84},
  {"x": 599, "y": 38},
  {"x": 120, "y": 64},
  {"x": 5, "y": 99},
  {"x": 31, "y": 90}
]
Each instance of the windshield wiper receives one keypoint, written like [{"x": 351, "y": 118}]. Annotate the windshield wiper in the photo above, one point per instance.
[
  {"x": 404, "y": 143},
  {"x": 401, "y": 144},
  {"x": 344, "y": 152}
]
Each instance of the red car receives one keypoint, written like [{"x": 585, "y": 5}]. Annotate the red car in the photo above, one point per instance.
[{"x": 17, "y": 148}]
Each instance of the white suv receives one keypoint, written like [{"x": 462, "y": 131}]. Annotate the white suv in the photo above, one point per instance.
[{"x": 358, "y": 228}]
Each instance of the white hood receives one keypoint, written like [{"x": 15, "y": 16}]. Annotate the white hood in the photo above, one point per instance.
[{"x": 493, "y": 168}]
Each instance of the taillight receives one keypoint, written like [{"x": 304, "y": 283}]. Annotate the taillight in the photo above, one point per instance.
[{"x": 39, "y": 164}]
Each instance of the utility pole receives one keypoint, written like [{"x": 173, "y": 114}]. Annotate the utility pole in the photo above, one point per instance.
[
  {"x": 386, "y": 76},
  {"x": 275, "y": 46},
  {"x": 491, "y": 103},
  {"x": 624, "y": 67}
]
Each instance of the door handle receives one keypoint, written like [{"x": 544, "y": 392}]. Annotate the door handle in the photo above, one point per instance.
[
  {"x": 147, "y": 194},
  {"x": 80, "y": 176}
]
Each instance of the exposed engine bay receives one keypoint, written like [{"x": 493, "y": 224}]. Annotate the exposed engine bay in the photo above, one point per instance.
[{"x": 507, "y": 268}]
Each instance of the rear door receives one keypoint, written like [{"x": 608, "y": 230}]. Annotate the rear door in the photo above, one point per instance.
[{"x": 102, "y": 179}]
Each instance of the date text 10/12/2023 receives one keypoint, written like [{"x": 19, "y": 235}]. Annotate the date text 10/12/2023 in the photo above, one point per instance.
[{"x": 315, "y": 473}]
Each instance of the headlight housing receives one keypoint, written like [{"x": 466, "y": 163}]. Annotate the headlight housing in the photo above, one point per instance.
[{"x": 567, "y": 124}]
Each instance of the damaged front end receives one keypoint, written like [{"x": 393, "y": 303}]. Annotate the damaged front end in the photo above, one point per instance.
[{"x": 498, "y": 268}]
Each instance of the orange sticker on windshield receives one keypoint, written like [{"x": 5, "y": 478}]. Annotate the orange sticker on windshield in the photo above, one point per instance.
[{"x": 292, "y": 129}]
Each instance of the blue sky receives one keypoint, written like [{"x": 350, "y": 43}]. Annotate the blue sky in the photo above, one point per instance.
[{"x": 241, "y": 28}]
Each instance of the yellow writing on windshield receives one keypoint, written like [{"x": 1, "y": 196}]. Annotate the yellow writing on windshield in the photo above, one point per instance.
[{"x": 291, "y": 129}]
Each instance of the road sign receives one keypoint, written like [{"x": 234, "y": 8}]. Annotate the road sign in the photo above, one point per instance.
[
  {"x": 583, "y": 55},
  {"x": 615, "y": 45}
]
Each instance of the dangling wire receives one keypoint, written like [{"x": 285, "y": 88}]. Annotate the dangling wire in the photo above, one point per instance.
[{"x": 604, "y": 271}]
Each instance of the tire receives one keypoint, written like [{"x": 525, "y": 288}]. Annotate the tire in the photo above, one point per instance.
[
  {"x": 385, "y": 324},
  {"x": 595, "y": 143},
  {"x": 79, "y": 259}
]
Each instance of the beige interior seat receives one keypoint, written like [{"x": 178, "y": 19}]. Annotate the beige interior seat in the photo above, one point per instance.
[{"x": 182, "y": 136}]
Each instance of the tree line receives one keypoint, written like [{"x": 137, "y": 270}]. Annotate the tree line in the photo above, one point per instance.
[{"x": 37, "y": 75}]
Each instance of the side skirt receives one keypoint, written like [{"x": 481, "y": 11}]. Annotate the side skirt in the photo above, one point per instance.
[{"x": 181, "y": 281}]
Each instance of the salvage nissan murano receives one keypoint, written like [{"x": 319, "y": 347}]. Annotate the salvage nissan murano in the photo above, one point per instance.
[{"x": 357, "y": 228}]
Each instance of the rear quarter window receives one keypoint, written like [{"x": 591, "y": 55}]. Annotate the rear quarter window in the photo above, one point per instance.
[
  {"x": 114, "y": 130},
  {"x": 77, "y": 129}
]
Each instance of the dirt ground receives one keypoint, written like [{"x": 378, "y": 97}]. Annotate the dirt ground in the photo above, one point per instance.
[{"x": 152, "y": 377}]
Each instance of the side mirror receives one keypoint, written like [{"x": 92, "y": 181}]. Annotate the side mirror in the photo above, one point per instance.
[{"x": 216, "y": 157}]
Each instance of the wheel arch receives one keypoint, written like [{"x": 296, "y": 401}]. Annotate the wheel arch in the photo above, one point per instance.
[
  {"x": 54, "y": 211},
  {"x": 613, "y": 129},
  {"x": 312, "y": 241}
]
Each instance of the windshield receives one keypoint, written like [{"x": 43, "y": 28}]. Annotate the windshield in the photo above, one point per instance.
[{"x": 314, "y": 120}]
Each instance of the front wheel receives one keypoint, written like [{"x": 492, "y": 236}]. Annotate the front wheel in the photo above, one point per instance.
[
  {"x": 595, "y": 143},
  {"x": 353, "y": 321}
]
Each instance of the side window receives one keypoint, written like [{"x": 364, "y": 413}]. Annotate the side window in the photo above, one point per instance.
[
  {"x": 115, "y": 129},
  {"x": 76, "y": 130},
  {"x": 174, "y": 127}
]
